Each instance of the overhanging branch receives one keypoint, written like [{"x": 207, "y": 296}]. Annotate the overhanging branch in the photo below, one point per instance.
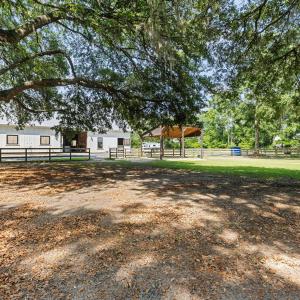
[
  {"x": 40, "y": 54},
  {"x": 13, "y": 36},
  {"x": 31, "y": 110},
  {"x": 9, "y": 94}
]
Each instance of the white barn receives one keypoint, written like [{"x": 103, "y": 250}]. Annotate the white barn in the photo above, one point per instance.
[{"x": 42, "y": 136}]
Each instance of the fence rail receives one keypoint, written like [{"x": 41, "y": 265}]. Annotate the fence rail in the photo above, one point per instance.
[
  {"x": 50, "y": 154},
  {"x": 198, "y": 152}
]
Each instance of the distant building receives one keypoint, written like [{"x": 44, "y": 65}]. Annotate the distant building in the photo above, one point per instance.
[
  {"x": 151, "y": 145},
  {"x": 42, "y": 136}
]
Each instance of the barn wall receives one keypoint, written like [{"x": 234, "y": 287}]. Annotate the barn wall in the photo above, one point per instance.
[
  {"x": 29, "y": 137},
  {"x": 110, "y": 140}
]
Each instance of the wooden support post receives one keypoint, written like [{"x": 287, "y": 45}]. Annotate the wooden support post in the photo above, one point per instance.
[
  {"x": 89, "y": 153},
  {"x": 0, "y": 155},
  {"x": 70, "y": 154},
  {"x": 26, "y": 154},
  {"x": 161, "y": 152},
  {"x": 180, "y": 146},
  {"x": 49, "y": 154},
  {"x": 182, "y": 142},
  {"x": 201, "y": 143}
]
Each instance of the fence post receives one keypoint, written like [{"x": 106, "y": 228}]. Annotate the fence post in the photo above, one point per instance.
[
  {"x": 0, "y": 155},
  {"x": 49, "y": 154},
  {"x": 151, "y": 153},
  {"x": 124, "y": 152},
  {"x": 89, "y": 153},
  {"x": 26, "y": 154},
  {"x": 70, "y": 154}
]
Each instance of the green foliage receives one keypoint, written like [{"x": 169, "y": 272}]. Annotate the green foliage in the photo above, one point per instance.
[
  {"x": 122, "y": 61},
  {"x": 171, "y": 144},
  {"x": 147, "y": 63},
  {"x": 192, "y": 142},
  {"x": 231, "y": 121},
  {"x": 136, "y": 141}
]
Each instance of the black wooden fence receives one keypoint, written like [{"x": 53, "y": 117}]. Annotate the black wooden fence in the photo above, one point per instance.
[
  {"x": 49, "y": 154},
  {"x": 151, "y": 153},
  {"x": 198, "y": 152}
]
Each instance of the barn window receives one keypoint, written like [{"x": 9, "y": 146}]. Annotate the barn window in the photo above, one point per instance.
[
  {"x": 100, "y": 142},
  {"x": 12, "y": 139},
  {"x": 120, "y": 141},
  {"x": 45, "y": 140}
]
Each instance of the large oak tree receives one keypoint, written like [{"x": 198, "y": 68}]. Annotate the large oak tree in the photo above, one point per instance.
[
  {"x": 146, "y": 62},
  {"x": 94, "y": 62}
]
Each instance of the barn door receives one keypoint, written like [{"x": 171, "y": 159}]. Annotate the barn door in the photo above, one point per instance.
[{"x": 82, "y": 140}]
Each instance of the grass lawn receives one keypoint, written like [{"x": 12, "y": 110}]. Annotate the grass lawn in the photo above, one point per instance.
[{"x": 263, "y": 168}]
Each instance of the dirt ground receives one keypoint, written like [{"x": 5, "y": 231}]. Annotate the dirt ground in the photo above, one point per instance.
[{"x": 91, "y": 231}]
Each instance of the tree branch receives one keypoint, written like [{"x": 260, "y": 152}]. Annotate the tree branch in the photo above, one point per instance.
[
  {"x": 294, "y": 51},
  {"x": 10, "y": 94},
  {"x": 280, "y": 17},
  {"x": 13, "y": 36},
  {"x": 255, "y": 10},
  {"x": 40, "y": 54},
  {"x": 31, "y": 110}
]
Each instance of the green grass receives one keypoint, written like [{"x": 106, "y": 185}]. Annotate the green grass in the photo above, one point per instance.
[
  {"x": 250, "y": 167},
  {"x": 261, "y": 168},
  {"x": 265, "y": 168}
]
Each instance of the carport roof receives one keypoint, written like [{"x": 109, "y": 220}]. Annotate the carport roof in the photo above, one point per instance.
[{"x": 174, "y": 132}]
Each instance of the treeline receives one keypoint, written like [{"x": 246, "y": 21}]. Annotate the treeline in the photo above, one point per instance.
[
  {"x": 244, "y": 122},
  {"x": 250, "y": 123}
]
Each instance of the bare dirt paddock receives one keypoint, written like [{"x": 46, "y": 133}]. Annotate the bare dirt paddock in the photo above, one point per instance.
[{"x": 94, "y": 231}]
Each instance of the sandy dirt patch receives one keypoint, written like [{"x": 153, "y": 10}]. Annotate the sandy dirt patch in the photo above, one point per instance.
[{"x": 91, "y": 231}]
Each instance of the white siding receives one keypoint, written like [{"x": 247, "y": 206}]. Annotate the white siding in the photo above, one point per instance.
[
  {"x": 29, "y": 137},
  {"x": 110, "y": 140}
]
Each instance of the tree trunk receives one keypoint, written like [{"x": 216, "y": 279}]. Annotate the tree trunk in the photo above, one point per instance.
[
  {"x": 228, "y": 138},
  {"x": 141, "y": 147},
  {"x": 257, "y": 129}
]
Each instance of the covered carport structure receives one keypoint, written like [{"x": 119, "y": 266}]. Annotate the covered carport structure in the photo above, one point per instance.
[{"x": 179, "y": 132}]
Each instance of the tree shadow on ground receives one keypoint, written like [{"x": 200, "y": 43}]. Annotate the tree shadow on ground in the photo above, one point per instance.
[{"x": 184, "y": 236}]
